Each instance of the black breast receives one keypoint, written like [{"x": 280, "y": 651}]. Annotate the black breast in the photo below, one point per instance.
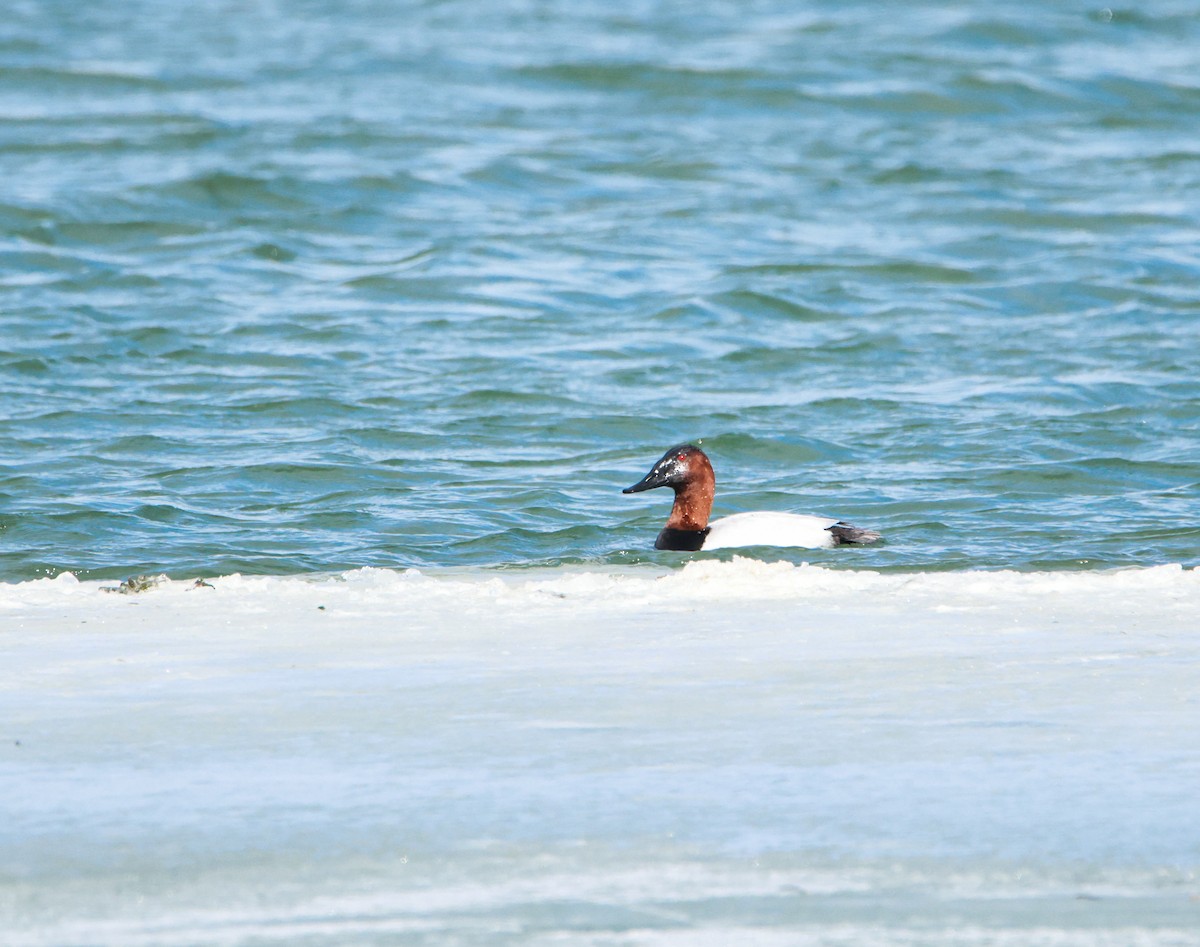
[{"x": 684, "y": 540}]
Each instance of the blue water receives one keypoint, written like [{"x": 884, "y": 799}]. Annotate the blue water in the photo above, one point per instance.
[{"x": 293, "y": 288}]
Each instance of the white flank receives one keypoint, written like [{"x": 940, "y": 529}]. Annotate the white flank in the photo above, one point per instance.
[{"x": 770, "y": 529}]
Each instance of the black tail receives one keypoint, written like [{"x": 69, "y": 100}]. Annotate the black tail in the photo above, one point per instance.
[{"x": 844, "y": 533}]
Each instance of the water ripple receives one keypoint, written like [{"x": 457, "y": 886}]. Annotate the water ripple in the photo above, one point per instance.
[{"x": 324, "y": 293}]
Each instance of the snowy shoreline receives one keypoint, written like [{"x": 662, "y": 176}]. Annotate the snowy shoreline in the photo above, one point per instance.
[{"x": 772, "y": 751}]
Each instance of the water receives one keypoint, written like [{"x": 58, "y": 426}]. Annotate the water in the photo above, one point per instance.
[
  {"x": 340, "y": 285},
  {"x": 296, "y": 297}
]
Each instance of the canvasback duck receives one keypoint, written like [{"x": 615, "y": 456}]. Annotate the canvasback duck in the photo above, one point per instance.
[{"x": 687, "y": 470}]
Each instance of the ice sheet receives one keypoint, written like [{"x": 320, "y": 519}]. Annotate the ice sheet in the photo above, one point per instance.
[{"x": 735, "y": 752}]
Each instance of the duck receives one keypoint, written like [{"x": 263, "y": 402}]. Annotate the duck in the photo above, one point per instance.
[{"x": 687, "y": 470}]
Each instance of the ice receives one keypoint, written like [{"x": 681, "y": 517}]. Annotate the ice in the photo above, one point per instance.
[{"x": 734, "y": 752}]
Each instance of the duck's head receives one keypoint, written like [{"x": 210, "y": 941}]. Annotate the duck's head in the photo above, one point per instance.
[{"x": 677, "y": 468}]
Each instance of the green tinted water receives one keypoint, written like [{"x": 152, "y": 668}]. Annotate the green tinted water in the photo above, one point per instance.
[{"x": 303, "y": 289}]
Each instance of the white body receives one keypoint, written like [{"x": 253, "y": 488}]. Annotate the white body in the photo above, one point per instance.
[{"x": 770, "y": 529}]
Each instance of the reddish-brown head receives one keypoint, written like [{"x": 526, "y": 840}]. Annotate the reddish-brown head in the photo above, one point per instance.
[{"x": 687, "y": 471}]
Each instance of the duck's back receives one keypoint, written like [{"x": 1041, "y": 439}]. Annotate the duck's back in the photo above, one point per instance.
[{"x": 771, "y": 529}]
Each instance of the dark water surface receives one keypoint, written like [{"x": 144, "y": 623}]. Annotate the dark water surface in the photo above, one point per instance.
[{"x": 310, "y": 286}]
